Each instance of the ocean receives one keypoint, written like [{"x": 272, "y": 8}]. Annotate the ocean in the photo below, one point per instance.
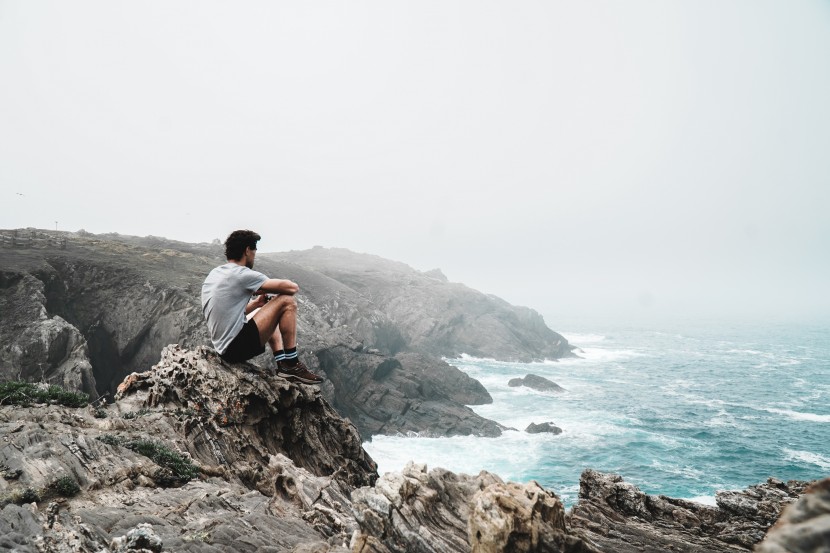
[{"x": 682, "y": 410}]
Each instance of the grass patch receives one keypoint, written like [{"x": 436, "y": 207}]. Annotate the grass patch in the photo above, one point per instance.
[
  {"x": 65, "y": 486},
  {"x": 176, "y": 468},
  {"x": 135, "y": 414},
  {"x": 26, "y": 393},
  {"x": 180, "y": 466}
]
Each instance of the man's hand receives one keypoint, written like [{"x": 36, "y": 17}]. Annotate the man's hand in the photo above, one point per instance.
[{"x": 260, "y": 300}]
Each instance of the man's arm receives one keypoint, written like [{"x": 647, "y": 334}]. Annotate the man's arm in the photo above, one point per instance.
[{"x": 278, "y": 286}]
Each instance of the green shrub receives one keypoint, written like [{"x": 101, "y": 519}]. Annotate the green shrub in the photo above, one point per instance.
[
  {"x": 65, "y": 486},
  {"x": 109, "y": 439},
  {"x": 27, "y": 495},
  {"x": 26, "y": 393},
  {"x": 181, "y": 467}
]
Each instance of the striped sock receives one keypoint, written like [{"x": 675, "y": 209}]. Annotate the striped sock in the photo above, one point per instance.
[
  {"x": 279, "y": 355},
  {"x": 291, "y": 356}
]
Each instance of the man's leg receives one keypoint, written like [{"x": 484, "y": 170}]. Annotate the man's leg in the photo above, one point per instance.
[
  {"x": 278, "y": 319},
  {"x": 280, "y": 312}
]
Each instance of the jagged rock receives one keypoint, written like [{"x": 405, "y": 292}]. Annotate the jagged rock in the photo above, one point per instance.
[
  {"x": 238, "y": 426},
  {"x": 270, "y": 413},
  {"x": 617, "y": 516},
  {"x": 804, "y": 526},
  {"x": 535, "y": 382},
  {"x": 549, "y": 427},
  {"x": 140, "y": 538},
  {"x": 416, "y": 510},
  {"x": 520, "y": 518},
  {"x": 439, "y": 511}
]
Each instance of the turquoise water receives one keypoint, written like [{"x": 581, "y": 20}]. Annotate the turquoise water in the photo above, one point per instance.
[{"x": 681, "y": 412}]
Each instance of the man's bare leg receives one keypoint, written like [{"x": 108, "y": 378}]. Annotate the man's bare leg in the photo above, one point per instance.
[
  {"x": 280, "y": 312},
  {"x": 275, "y": 341},
  {"x": 278, "y": 319}
]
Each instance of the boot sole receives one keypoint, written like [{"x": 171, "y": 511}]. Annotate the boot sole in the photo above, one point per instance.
[{"x": 295, "y": 378}]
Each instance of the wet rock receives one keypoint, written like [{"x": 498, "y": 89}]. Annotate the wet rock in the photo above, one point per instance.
[
  {"x": 548, "y": 427},
  {"x": 535, "y": 382}
]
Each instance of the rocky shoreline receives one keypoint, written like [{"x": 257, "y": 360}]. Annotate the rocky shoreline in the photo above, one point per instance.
[
  {"x": 275, "y": 468},
  {"x": 182, "y": 452}
]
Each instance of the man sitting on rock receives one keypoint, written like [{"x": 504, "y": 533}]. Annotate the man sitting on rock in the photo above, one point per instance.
[{"x": 226, "y": 301}]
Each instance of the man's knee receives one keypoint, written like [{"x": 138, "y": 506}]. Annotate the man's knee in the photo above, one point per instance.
[{"x": 287, "y": 303}]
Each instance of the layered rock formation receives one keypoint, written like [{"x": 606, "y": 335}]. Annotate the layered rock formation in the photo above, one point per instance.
[
  {"x": 241, "y": 461},
  {"x": 619, "y": 517},
  {"x": 200, "y": 455},
  {"x": 87, "y": 310}
]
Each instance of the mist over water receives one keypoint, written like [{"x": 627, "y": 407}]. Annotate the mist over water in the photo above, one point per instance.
[{"x": 682, "y": 413}]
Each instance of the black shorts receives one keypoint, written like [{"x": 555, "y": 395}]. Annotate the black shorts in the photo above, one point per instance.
[{"x": 246, "y": 344}]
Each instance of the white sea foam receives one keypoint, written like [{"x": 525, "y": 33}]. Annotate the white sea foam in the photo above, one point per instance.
[
  {"x": 798, "y": 415},
  {"x": 808, "y": 457},
  {"x": 705, "y": 500}
]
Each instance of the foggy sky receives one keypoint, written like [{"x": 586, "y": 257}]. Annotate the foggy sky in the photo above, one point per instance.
[{"x": 637, "y": 159}]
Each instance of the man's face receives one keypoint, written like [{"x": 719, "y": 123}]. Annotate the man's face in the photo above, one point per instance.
[{"x": 250, "y": 255}]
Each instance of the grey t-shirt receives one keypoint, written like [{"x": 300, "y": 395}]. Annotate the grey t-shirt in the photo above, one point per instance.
[{"x": 225, "y": 293}]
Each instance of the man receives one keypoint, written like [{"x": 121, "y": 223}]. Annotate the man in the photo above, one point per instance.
[{"x": 225, "y": 303}]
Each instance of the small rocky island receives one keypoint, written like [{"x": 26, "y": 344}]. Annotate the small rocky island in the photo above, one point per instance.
[{"x": 535, "y": 382}]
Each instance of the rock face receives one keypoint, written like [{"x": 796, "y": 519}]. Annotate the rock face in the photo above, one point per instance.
[
  {"x": 535, "y": 382},
  {"x": 381, "y": 396},
  {"x": 275, "y": 465},
  {"x": 805, "y": 525},
  {"x": 619, "y": 517},
  {"x": 543, "y": 427},
  {"x": 88, "y": 313},
  {"x": 199, "y": 455},
  {"x": 438, "y": 511}
]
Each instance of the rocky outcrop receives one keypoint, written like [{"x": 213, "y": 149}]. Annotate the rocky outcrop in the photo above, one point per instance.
[
  {"x": 543, "y": 427},
  {"x": 199, "y": 455},
  {"x": 804, "y": 527},
  {"x": 88, "y": 313},
  {"x": 213, "y": 457},
  {"x": 438, "y": 511},
  {"x": 538, "y": 383},
  {"x": 405, "y": 393},
  {"x": 618, "y": 517},
  {"x": 35, "y": 345}
]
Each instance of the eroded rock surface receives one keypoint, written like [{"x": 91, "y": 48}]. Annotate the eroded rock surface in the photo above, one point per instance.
[
  {"x": 438, "y": 511},
  {"x": 804, "y": 527},
  {"x": 619, "y": 517},
  {"x": 275, "y": 465}
]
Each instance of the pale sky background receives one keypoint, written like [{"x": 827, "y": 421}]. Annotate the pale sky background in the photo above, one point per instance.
[{"x": 629, "y": 159}]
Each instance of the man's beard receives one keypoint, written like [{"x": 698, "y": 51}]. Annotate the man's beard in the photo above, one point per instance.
[{"x": 249, "y": 264}]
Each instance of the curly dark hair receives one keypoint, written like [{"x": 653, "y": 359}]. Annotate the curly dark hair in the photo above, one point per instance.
[{"x": 237, "y": 241}]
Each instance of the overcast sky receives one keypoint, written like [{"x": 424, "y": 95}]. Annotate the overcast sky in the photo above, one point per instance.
[{"x": 634, "y": 159}]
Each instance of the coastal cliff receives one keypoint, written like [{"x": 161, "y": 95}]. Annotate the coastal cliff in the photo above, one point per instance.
[
  {"x": 200, "y": 455},
  {"x": 84, "y": 311}
]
